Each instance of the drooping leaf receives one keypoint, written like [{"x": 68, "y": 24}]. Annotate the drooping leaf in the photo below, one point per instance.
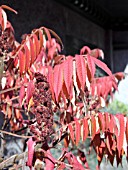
[
  {"x": 47, "y": 33},
  {"x": 81, "y": 70},
  {"x": 18, "y": 114},
  {"x": 119, "y": 75},
  {"x": 28, "y": 57},
  {"x": 51, "y": 81},
  {"x": 4, "y": 20},
  {"x": 30, "y": 90},
  {"x": 41, "y": 39},
  {"x": 22, "y": 62},
  {"x": 83, "y": 159},
  {"x": 30, "y": 144},
  {"x": 101, "y": 121},
  {"x": 9, "y": 8},
  {"x": 77, "y": 130},
  {"x": 118, "y": 158},
  {"x": 103, "y": 66},
  {"x": 32, "y": 51},
  {"x": 57, "y": 37},
  {"x": 71, "y": 132},
  {"x": 65, "y": 92},
  {"x": 66, "y": 141},
  {"x": 106, "y": 120},
  {"x": 74, "y": 162},
  {"x": 120, "y": 137},
  {"x": 97, "y": 53},
  {"x": 1, "y": 16},
  {"x": 109, "y": 142},
  {"x": 91, "y": 65},
  {"x": 62, "y": 166},
  {"x": 111, "y": 124},
  {"x": 111, "y": 158},
  {"x": 85, "y": 129},
  {"x": 58, "y": 80},
  {"x": 68, "y": 72},
  {"x": 126, "y": 130},
  {"x": 93, "y": 126},
  {"x": 37, "y": 45},
  {"x": 85, "y": 50},
  {"x": 49, "y": 161},
  {"x": 22, "y": 94},
  {"x": 103, "y": 86}
]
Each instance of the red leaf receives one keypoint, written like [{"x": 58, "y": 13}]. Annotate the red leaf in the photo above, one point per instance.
[
  {"x": 30, "y": 90},
  {"x": 37, "y": 45},
  {"x": 22, "y": 62},
  {"x": 106, "y": 120},
  {"x": 9, "y": 8},
  {"x": 81, "y": 70},
  {"x": 74, "y": 162},
  {"x": 65, "y": 92},
  {"x": 58, "y": 80},
  {"x": 85, "y": 129},
  {"x": 119, "y": 75},
  {"x": 91, "y": 65},
  {"x": 83, "y": 158},
  {"x": 71, "y": 132},
  {"x": 85, "y": 50},
  {"x": 47, "y": 33},
  {"x": 62, "y": 166},
  {"x": 120, "y": 138},
  {"x": 4, "y": 20},
  {"x": 66, "y": 141},
  {"x": 1, "y": 16},
  {"x": 111, "y": 124},
  {"x": 32, "y": 51},
  {"x": 101, "y": 121},
  {"x": 18, "y": 114},
  {"x": 93, "y": 126},
  {"x": 97, "y": 53},
  {"x": 30, "y": 144},
  {"x": 126, "y": 130},
  {"x": 103, "y": 66},
  {"x": 51, "y": 81},
  {"x": 10, "y": 81},
  {"x": 41, "y": 39},
  {"x": 49, "y": 161},
  {"x": 28, "y": 57},
  {"x": 22, "y": 94},
  {"x": 77, "y": 129},
  {"x": 109, "y": 142},
  {"x": 68, "y": 72}
]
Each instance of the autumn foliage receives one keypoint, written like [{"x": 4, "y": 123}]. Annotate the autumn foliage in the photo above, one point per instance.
[{"x": 39, "y": 82}]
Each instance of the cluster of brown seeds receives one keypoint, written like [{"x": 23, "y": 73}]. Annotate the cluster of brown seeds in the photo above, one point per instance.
[
  {"x": 5, "y": 46},
  {"x": 42, "y": 128}
]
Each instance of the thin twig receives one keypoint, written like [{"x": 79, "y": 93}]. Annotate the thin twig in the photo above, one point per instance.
[
  {"x": 12, "y": 134},
  {"x": 13, "y": 159},
  {"x": 9, "y": 89}
]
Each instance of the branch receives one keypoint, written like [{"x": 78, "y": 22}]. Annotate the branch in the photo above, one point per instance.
[
  {"x": 12, "y": 134},
  {"x": 9, "y": 89},
  {"x": 13, "y": 159}
]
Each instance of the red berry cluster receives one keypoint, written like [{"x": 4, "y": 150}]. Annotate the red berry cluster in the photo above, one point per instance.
[
  {"x": 42, "y": 109},
  {"x": 5, "y": 46}
]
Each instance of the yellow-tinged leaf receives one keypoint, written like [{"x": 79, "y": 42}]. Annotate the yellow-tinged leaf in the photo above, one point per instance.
[{"x": 30, "y": 104}]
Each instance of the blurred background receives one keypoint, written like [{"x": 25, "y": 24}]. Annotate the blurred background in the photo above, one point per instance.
[{"x": 96, "y": 23}]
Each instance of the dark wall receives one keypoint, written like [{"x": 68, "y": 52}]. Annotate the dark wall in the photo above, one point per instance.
[
  {"x": 49, "y": 13},
  {"x": 120, "y": 50},
  {"x": 74, "y": 30}
]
